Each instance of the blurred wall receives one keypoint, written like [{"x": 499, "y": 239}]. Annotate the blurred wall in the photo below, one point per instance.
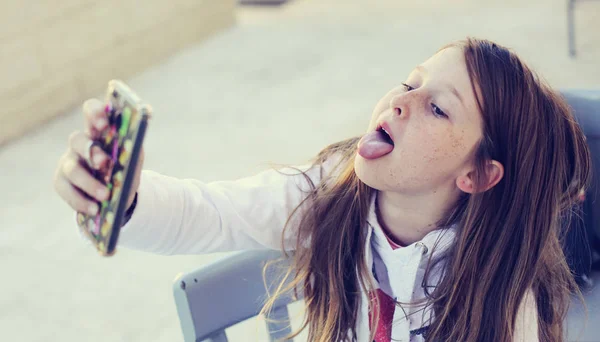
[{"x": 54, "y": 54}]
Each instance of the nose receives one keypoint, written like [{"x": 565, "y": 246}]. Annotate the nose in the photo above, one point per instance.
[{"x": 398, "y": 104}]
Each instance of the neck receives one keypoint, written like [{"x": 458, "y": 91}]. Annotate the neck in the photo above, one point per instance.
[{"x": 407, "y": 219}]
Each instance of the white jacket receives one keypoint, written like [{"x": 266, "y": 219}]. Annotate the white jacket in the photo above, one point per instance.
[{"x": 175, "y": 216}]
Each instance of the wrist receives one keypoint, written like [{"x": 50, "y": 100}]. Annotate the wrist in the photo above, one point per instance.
[{"x": 130, "y": 209}]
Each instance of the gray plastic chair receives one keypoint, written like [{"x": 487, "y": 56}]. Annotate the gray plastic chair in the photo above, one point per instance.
[
  {"x": 586, "y": 106},
  {"x": 238, "y": 280}
]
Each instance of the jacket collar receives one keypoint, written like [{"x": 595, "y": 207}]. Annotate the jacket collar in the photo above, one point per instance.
[
  {"x": 437, "y": 241},
  {"x": 413, "y": 257}
]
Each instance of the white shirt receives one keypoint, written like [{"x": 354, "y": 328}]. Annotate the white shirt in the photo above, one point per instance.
[
  {"x": 175, "y": 216},
  {"x": 185, "y": 216}
]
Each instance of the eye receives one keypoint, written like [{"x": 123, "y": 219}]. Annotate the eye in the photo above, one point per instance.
[
  {"x": 438, "y": 112},
  {"x": 407, "y": 87}
]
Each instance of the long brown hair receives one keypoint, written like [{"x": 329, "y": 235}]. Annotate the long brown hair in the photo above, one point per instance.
[{"x": 508, "y": 237}]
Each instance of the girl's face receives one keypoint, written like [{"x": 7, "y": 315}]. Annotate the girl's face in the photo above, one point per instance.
[{"x": 435, "y": 124}]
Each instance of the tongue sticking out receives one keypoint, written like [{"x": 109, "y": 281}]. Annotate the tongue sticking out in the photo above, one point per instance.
[{"x": 374, "y": 145}]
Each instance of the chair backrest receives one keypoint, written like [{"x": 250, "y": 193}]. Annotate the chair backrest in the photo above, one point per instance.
[
  {"x": 586, "y": 106},
  {"x": 238, "y": 283},
  {"x": 227, "y": 292},
  {"x": 582, "y": 242}
]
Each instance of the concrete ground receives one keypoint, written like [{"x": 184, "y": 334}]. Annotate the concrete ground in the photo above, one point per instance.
[{"x": 278, "y": 87}]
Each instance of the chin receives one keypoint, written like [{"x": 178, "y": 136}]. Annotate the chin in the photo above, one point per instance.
[{"x": 366, "y": 171}]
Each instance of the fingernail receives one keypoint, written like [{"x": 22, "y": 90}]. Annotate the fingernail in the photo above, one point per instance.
[
  {"x": 93, "y": 209},
  {"x": 100, "y": 123},
  {"x": 97, "y": 159},
  {"x": 102, "y": 193}
]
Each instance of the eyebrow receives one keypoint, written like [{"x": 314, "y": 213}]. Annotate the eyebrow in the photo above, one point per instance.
[{"x": 453, "y": 90}]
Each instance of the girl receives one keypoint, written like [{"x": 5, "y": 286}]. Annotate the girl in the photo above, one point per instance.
[{"x": 441, "y": 223}]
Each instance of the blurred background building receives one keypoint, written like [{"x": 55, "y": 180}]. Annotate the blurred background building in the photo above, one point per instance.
[
  {"x": 234, "y": 86},
  {"x": 55, "y": 54}
]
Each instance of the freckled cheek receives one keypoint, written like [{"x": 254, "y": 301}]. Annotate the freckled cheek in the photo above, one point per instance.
[
  {"x": 431, "y": 146},
  {"x": 459, "y": 146},
  {"x": 405, "y": 175},
  {"x": 446, "y": 147}
]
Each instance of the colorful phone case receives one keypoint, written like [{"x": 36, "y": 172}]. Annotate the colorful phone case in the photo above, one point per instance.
[{"x": 122, "y": 141}]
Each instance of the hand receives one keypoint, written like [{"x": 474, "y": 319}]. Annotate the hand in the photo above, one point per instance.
[{"x": 73, "y": 178}]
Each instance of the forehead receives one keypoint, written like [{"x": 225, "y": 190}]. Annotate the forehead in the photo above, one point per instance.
[
  {"x": 449, "y": 65},
  {"x": 447, "y": 69}
]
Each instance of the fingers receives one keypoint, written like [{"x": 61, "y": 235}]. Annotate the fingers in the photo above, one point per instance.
[
  {"x": 95, "y": 117},
  {"x": 73, "y": 180},
  {"x": 80, "y": 144},
  {"x": 76, "y": 175},
  {"x": 74, "y": 198}
]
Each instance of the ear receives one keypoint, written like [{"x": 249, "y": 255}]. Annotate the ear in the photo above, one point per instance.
[{"x": 494, "y": 173}]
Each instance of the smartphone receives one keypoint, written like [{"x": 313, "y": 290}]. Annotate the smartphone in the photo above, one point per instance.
[{"x": 122, "y": 140}]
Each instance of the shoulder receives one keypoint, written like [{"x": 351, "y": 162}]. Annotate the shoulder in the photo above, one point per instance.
[
  {"x": 526, "y": 323},
  {"x": 315, "y": 171}
]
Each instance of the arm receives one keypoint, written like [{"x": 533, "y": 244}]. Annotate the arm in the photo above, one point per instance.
[
  {"x": 185, "y": 216},
  {"x": 526, "y": 323}
]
